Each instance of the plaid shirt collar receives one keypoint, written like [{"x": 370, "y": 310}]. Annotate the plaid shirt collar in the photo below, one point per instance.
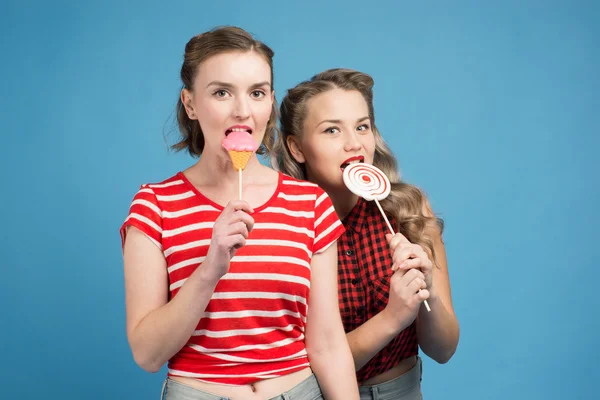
[{"x": 357, "y": 217}]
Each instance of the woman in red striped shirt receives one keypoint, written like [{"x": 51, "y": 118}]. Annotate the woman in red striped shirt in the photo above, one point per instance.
[
  {"x": 239, "y": 297},
  {"x": 327, "y": 123}
]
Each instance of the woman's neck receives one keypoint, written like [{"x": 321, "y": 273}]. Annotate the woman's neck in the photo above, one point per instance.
[
  {"x": 217, "y": 180},
  {"x": 215, "y": 170},
  {"x": 343, "y": 202}
]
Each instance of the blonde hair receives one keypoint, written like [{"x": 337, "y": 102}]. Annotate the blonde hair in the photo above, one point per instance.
[
  {"x": 198, "y": 49},
  {"x": 406, "y": 203}
]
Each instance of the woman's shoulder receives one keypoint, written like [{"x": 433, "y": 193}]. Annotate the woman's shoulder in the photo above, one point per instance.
[
  {"x": 295, "y": 181},
  {"x": 174, "y": 185},
  {"x": 289, "y": 183},
  {"x": 170, "y": 181}
]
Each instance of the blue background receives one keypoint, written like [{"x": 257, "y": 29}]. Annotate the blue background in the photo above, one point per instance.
[{"x": 491, "y": 108}]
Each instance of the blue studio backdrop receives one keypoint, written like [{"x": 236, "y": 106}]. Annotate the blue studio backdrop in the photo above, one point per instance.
[{"x": 490, "y": 107}]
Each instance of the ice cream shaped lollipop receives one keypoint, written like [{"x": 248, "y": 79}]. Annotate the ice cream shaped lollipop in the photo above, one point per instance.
[
  {"x": 370, "y": 183},
  {"x": 240, "y": 146}
]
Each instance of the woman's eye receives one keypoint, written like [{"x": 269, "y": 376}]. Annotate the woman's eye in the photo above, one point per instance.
[
  {"x": 332, "y": 130},
  {"x": 257, "y": 94},
  {"x": 221, "y": 93},
  {"x": 363, "y": 127}
]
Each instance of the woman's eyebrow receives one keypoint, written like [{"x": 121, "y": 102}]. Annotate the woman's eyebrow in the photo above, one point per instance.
[
  {"x": 265, "y": 83},
  {"x": 221, "y": 84}
]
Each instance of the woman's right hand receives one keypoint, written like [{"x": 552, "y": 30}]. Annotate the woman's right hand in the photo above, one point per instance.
[
  {"x": 407, "y": 293},
  {"x": 230, "y": 232}
]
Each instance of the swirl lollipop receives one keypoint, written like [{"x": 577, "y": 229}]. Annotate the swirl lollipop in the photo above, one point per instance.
[
  {"x": 367, "y": 181},
  {"x": 370, "y": 183}
]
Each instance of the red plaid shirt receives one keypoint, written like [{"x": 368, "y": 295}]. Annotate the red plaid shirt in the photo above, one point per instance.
[{"x": 364, "y": 271}]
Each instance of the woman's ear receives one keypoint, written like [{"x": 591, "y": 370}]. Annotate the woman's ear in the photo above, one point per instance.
[
  {"x": 188, "y": 104},
  {"x": 295, "y": 148}
]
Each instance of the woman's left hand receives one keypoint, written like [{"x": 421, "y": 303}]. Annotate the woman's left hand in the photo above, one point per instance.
[{"x": 406, "y": 256}]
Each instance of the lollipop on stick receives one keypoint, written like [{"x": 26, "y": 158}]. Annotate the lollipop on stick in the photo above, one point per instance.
[
  {"x": 370, "y": 183},
  {"x": 240, "y": 146}
]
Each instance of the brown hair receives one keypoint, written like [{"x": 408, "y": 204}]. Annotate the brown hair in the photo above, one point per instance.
[
  {"x": 406, "y": 203},
  {"x": 201, "y": 47}
]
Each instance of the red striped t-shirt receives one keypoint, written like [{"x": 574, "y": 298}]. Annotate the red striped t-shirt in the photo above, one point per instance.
[{"x": 254, "y": 324}]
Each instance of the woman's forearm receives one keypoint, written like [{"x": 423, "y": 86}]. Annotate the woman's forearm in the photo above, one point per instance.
[
  {"x": 437, "y": 330},
  {"x": 333, "y": 367},
  {"x": 372, "y": 336},
  {"x": 164, "y": 331}
]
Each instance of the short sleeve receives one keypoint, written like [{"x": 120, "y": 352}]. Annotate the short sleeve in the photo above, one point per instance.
[
  {"x": 328, "y": 226},
  {"x": 145, "y": 214}
]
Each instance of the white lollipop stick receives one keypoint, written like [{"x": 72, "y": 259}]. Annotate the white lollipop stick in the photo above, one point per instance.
[
  {"x": 240, "y": 180},
  {"x": 370, "y": 183},
  {"x": 385, "y": 217}
]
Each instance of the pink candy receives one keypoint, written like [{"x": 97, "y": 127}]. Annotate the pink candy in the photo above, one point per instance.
[{"x": 239, "y": 141}]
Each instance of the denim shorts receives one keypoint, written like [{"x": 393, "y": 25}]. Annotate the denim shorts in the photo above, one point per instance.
[
  {"x": 405, "y": 387},
  {"x": 308, "y": 389}
]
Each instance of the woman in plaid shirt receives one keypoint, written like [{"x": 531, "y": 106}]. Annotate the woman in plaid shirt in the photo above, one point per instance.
[{"x": 328, "y": 123}]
